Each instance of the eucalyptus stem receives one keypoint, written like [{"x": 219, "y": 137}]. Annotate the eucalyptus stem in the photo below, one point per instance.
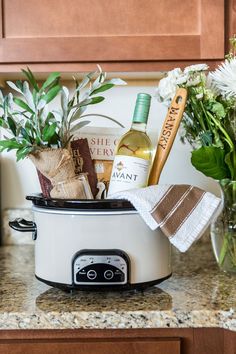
[
  {"x": 104, "y": 116},
  {"x": 37, "y": 124}
]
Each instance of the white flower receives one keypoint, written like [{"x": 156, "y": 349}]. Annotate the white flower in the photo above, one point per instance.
[
  {"x": 211, "y": 88},
  {"x": 166, "y": 90},
  {"x": 194, "y": 68},
  {"x": 182, "y": 79},
  {"x": 199, "y": 96},
  {"x": 175, "y": 73},
  {"x": 192, "y": 76},
  {"x": 168, "y": 85},
  {"x": 224, "y": 78},
  {"x": 193, "y": 81}
]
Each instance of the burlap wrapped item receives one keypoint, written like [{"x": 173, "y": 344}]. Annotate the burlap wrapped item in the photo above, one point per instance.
[
  {"x": 57, "y": 165},
  {"x": 72, "y": 188}
]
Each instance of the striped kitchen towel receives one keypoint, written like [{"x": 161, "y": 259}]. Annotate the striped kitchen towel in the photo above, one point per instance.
[{"x": 183, "y": 212}]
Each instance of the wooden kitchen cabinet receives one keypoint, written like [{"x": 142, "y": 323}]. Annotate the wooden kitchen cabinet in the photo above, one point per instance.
[
  {"x": 93, "y": 341},
  {"x": 144, "y": 347},
  {"x": 126, "y": 341},
  {"x": 122, "y": 35}
]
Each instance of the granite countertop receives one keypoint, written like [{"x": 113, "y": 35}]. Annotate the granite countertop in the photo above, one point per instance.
[{"x": 197, "y": 295}]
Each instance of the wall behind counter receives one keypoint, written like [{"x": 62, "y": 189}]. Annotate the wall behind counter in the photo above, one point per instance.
[{"x": 20, "y": 179}]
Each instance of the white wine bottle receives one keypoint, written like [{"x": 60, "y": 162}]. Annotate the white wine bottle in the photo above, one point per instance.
[{"x": 133, "y": 155}]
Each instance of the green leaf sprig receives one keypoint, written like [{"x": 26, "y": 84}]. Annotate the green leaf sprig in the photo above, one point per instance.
[{"x": 27, "y": 121}]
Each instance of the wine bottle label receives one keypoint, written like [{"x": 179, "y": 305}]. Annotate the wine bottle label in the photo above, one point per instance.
[{"x": 128, "y": 172}]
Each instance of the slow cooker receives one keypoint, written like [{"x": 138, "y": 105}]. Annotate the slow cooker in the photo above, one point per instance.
[{"x": 95, "y": 244}]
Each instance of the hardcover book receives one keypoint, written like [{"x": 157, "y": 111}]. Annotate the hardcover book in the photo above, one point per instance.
[{"x": 102, "y": 141}]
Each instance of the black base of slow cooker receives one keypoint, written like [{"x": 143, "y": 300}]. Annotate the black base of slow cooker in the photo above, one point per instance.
[{"x": 125, "y": 287}]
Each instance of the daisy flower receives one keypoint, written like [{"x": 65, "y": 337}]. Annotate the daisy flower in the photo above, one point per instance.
[
  {"x": 194, "y": 68},
  {"x": 224, "y": 78}
]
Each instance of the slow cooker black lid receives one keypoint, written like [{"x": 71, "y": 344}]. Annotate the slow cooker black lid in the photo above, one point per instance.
[{"x": 80, "y": 204}]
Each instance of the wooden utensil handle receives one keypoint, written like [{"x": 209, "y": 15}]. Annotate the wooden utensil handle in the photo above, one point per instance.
[{"x": 168, "y": 133}]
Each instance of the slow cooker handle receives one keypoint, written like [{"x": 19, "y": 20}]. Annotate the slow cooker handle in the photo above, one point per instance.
[{"x": 23, "y": 225}]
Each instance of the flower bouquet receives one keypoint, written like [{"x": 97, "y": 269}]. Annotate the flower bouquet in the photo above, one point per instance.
[
  {"x": 209, "y": 125},
  {"x": 44, "y": 135}
]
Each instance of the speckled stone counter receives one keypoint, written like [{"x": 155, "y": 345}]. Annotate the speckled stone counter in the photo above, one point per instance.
[{"x": 197, "y": 295}]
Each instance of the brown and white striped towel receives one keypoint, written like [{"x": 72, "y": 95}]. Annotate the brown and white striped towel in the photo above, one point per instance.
[{"x": 183, "y": 212}]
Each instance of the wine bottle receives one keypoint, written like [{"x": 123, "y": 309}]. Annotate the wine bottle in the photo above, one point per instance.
[{"x": 133, "y": 154}]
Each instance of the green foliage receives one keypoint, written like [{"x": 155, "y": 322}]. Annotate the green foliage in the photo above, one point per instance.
[
  {"x": 28, "y": 123},
  {"x": 209, "y": 126},
  {"x": 23, "y": 105},
  {"x": 218, "y": 109},
  {"x": 210, "y": 160}
]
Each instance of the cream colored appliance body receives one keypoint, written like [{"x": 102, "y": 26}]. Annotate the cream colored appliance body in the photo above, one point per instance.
[{"x": 98, "y": 249}]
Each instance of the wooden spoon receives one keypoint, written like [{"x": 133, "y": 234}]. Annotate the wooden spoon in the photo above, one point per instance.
[{"x": 168, "y": 134}]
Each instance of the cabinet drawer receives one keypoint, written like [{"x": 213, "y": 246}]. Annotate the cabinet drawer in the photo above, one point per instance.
[
  {"x": 159, "y": 346},
  {"x": 110, "y": 31}
]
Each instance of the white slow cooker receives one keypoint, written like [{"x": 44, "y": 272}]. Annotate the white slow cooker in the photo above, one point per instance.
[{"x": 95, "y": 244}]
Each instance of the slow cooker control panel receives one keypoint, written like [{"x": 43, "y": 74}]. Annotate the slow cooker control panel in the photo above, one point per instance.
[{"x": 100, "y": 267}]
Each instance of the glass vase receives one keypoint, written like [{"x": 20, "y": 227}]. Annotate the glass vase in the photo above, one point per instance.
[{"x": 223, "y": 228}]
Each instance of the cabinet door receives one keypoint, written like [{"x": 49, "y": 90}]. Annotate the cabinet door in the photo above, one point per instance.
[
  {"x": 73, "y": 31},
  {"x": 165, "y": 346}
]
